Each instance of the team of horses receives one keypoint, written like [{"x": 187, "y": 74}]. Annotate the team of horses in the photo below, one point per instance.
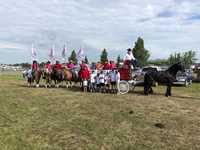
[
  {"x": 66, "y": 77},
  {"x": 69, "y": 78}
]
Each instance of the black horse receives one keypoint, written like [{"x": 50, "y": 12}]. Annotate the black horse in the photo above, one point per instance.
[{"x": 163, "y": 77}]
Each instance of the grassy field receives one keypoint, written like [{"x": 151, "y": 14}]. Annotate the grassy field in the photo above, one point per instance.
[{"x": 58, "y": 119}]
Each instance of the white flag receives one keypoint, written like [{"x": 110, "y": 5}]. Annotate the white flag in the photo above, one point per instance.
[
  {"x": 80, "y": 54},
  {"x": 64, "y": 52},
  {"x": 33, "y": 53},
  {"x": 51, "y": 54}
]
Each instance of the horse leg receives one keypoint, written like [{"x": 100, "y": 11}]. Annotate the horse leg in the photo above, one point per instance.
[
  {"x": 37, "y": 84},
  {"x": 146, "y": 85},
  {"x": 150, "y": 90},
  {"x": 170, "y": 87},
  {"x": 168, "y": 91},
  {"x": 58, "y": 84},
  {"x": 70, "y": 82},
  {"x": 49, "y": 82},
  {"x": 67, "y": 86},
  {"x": 37, "y": 81},
  {"x": 46, "y": 83},
  {"x": 145, "y": 89},
  {"x": 29, "y": 82}
]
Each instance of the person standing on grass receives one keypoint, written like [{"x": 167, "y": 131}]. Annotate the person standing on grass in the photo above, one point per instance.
[
  {"x": 84, "y": 74},
  {"x": 117, "y": 80},
  {"x": 107, "y": 82},
  {"x": 102, "y": 81},
  {"x": 93, "y": 81},
  {"x": 113, "y": 77},
  {"x": 97, "y": 82}
]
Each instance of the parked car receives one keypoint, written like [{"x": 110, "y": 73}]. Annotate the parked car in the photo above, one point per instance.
[
  {"x": 183, "y": 78},
  {"x": 150, "y": 68}
]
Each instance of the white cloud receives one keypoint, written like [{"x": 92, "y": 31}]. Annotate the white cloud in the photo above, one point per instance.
[{"x": 94, "y": 24}]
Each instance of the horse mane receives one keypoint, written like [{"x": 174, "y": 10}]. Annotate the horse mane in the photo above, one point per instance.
[{"x": 173, "y": 69}]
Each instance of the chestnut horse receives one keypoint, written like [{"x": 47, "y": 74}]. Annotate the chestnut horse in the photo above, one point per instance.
[
  {"x": 33, "y": 77},
  {"x": 59, "y": 77}
]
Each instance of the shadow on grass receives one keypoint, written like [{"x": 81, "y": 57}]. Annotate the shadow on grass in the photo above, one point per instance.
[
  {"x": 141, "y": 93},
  {"x": 73, "y": 89},
  {"x": 186, "y": 97},
  {"x": 137, "y": 93}
]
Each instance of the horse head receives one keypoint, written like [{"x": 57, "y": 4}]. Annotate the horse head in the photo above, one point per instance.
[{"x": 175, "y": 68}]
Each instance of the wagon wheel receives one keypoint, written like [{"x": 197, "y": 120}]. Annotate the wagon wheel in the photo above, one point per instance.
[{"x": 123, "y": 87}]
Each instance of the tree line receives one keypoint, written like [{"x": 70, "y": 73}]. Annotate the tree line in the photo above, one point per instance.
[{"x": 141, "y": 54}]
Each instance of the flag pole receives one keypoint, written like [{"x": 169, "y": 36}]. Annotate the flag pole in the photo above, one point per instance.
[
  {"x": 65, "y": 60},
  {"x": 53, "y": 58}
]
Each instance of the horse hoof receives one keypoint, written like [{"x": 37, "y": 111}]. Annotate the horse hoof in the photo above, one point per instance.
[{"x": 37, "y": 86}]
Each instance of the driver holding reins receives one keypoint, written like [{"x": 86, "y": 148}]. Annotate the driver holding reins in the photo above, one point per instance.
[{"x": 129, "y": 57}]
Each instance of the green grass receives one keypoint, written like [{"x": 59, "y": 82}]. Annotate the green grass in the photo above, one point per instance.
[{"x": 57, "y": 119}]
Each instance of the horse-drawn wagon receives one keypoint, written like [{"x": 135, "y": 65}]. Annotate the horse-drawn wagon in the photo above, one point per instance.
[{"x": 128, "y": 78}]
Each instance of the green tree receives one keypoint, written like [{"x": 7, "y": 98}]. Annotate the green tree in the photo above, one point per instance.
[
  {"x": 118, "y": 61},
  {"x": 26, "y": 65},
  {"x": 86, "y": 60},
  {"x": 188, "y": 58},
  {"x": 73, "y": 57},
  {"x": 158, "y": 62},
  {"x": 104, "y": 56},
  {"x": 140, "y": 53}
]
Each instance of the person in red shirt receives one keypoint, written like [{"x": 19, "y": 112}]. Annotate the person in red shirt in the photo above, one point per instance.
[
  {"x": 106, "y": 66},
  {"x": 84, "y": 74},
  {"x": 84, "y": 66},
  {"x": 58, "y": 66},
  {"x": 112, "y": 65},
  {"x": 48, "y": 67},
  {"x": 34, "y": 68}
]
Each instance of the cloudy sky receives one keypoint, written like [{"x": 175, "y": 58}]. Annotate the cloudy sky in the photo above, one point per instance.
[{"x": 166, "y": 26}]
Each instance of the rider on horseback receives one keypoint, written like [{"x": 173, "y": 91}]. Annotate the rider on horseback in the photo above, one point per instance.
[
  {"x": 58, "y": 66},
  {"x": 58, "y": 69},
  {"x": 34, "y": 68},
  {"x": 70, "y": 65},
  {"x": 48, "y": 67}
]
